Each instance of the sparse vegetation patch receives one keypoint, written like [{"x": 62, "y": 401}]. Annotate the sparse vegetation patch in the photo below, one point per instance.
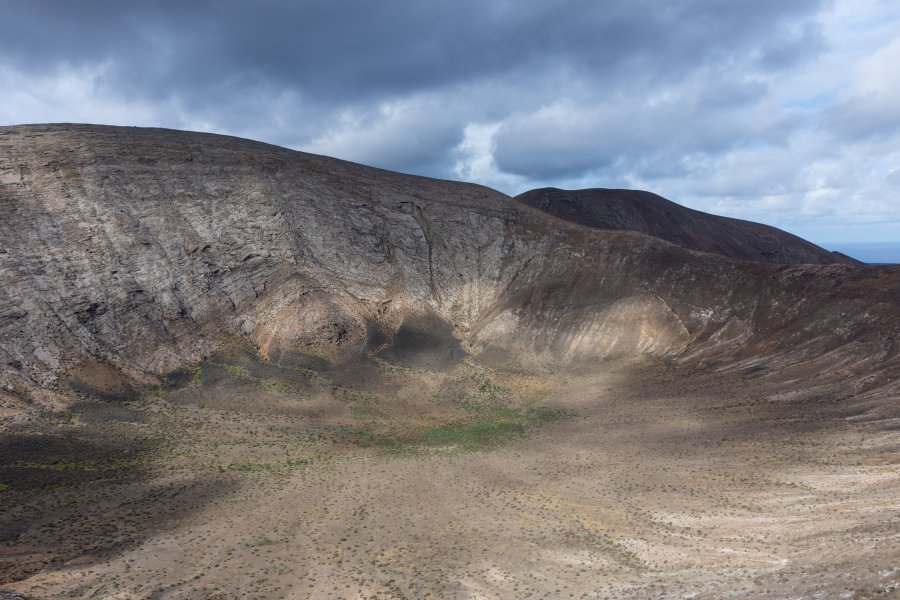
[{"x": 485, "y": 429}]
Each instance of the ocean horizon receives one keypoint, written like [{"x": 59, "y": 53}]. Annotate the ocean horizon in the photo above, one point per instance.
[{"x": 876, "y": 253}]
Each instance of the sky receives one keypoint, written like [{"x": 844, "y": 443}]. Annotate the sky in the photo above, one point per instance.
[{"x": 782, "y": 112}]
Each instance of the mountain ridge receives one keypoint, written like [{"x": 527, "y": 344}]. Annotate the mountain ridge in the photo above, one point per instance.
[
  {"x": 145, "y": 249},
  {"x": 649, "y": 213}
]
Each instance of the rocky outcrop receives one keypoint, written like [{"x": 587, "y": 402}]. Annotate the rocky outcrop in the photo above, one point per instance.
[
  {"x": 144, "y": 249},
  {"x": 635, "y": 210}
]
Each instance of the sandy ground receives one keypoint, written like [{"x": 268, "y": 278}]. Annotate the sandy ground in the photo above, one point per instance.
[{"x": 638, "y": 480}]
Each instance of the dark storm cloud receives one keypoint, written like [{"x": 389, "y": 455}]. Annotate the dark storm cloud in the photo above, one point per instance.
[{"x": 348, "y": 52}]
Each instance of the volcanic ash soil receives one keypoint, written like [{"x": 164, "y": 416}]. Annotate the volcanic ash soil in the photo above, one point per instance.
[{"x": 247, "y": 479}]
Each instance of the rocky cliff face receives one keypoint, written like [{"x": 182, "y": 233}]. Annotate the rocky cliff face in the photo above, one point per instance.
[
  {"x": 635, "y": 210},
  {"x": 140, "y": 250}
]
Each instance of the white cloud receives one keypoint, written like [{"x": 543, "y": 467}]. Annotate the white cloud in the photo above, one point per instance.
[
  {"x": 475, "y": 160},
  {"x": 869, "y": 104},
  {"x": 412, "y": 134},
  {"x": 68, "y": 93}
]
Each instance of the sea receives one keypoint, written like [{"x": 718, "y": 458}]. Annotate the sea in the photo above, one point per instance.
[{"x": 875, "y": 253}]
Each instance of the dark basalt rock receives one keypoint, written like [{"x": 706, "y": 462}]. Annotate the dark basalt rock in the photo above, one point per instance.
[{"x": 645, "y": 212}]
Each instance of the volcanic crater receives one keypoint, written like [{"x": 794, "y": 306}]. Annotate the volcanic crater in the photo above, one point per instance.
[{"x": 233, "y": 370}]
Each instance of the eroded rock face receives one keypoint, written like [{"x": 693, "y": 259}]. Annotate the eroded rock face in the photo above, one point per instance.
[{"x": 145, "y": 248}]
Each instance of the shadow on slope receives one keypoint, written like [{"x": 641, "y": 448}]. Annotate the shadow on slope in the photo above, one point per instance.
[
  {"x": 424, "y": 342},
  {"x": 85, "y": 489}
]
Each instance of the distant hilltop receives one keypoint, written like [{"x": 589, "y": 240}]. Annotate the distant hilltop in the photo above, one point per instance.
[{"x": 645, "y": 212}]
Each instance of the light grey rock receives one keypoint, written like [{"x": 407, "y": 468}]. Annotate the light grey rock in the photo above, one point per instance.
[{"x": 146, "y": 248}]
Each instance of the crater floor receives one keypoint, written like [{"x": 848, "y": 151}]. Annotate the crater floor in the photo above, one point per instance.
[{"x": 248, "y": 479}]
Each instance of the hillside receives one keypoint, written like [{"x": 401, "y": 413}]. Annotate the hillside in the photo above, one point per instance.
[
  {"x": 645, "y": 212},
  {"x": 144, "y": 249}
]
